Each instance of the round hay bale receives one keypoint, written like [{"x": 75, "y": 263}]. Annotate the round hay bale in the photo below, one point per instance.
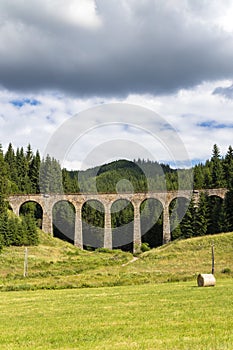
[{"x": 206, "y": 280}]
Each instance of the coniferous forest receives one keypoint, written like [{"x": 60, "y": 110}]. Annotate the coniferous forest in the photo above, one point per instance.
[{"x": 22, "y": 172}]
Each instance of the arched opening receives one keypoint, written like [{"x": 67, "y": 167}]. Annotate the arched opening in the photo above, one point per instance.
[
  {"x": 151, "y": 220},
  {"x": 215, "y": 215},
  {"x": 34, "y": 210},
  {"x": 93, "y": 224},
  {"x": 64, "y": 221},
  {"x": 177, "y": 213},
  {"x": 122, "y": 220}
]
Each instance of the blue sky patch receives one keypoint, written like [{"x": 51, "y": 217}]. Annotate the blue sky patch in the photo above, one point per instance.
[
  {"x": 25, "y": 101},
  {"x": 214, "y": 125}
]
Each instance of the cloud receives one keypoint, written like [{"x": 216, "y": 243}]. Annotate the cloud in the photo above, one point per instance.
[
  {"x": 58, "y": 58},
  {"x": 226, "y": 92},
  {"x": 200, "y": 118},
  {"x": 117, "y": 48}
]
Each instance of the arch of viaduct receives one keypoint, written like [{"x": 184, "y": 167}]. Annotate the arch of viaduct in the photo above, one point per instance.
[{"x": 47, "y": 203}]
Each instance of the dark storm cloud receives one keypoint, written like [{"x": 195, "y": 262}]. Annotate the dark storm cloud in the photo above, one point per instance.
[{"x": 136, "y": 47}]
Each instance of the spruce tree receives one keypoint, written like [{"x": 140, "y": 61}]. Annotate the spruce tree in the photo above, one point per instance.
[
  {"x": 198, "y": 176},
  {"x": 228, "y": 205},
  {"x": 3, "y": 182},
  {"x": 201, "y": 222},
  {"x": 6, "y": 239},
  {"x": 228, "y": 168},
  {"x": 50, "y": 176},
  {"x": 217, "y": 168},
  {"x": 188, "y": 222},
  {"x": 216, "y": 215},
  {"x": 10, "y": 160},
  {"x": 22, "y": 171},
  {"x": 30, "y": 230},
  {"x": 175, "y": 226},
  {"x": 34, "y": 173}
]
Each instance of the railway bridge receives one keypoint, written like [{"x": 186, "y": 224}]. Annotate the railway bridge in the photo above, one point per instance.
[{"x": 47, "y": 202}]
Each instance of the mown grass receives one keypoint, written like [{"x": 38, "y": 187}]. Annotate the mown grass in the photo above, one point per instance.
[
  {"x": 54, "y": 264},
  {"x": 146, "y": 317}
]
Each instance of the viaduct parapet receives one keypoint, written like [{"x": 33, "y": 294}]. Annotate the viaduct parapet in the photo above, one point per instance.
[{"x": 47, "y": 202}]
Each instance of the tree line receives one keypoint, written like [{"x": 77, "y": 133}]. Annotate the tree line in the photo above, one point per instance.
[
  {"x": 13, "y": 230},
  {"x": 25, "y": 172}
]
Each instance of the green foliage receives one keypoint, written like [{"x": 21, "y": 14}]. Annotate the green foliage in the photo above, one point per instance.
[
  {"x": 201, "y": 216},
  {"x": 50, "y": 176},
  {"x": 3, "y": 182},
  {"x": 228, "y": 203},
  {"x": 16, "y": 232},
  {"x": 30, "y": 230},
  {"x": 145, "y": 247},
  {"x": 226, "y": 270}
]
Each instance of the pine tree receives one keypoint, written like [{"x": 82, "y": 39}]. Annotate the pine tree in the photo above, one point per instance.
[
  {"x": 175, "y": 226},
  {"x": 23, "y": 181},
  {"x": 34, "y": 173},
  {"x": 198, "y": 175},
  {"x": 30, "y": 230},
  {"x": 3, "y": 182},
  {"x": 188, "y": 222},
  {"x": 217, "y": 168},
  {"x": 228, "y": 168},
  {"x": 228, "y": 205},
  {"x": 50, "y": 176},
  {"x": 10, "y": 160},
  {"x": 201, "y": 222},
  {"x": 215, "y": 215},
  {"x": 6, "y": 239}
]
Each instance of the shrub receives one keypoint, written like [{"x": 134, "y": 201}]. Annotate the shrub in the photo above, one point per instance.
[
  {"x": 145, "y": 247},
  {"x": 226, "y": 270},
  {"x": 104, "y": 250}
]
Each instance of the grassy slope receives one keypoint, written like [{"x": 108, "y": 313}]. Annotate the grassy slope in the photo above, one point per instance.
[{"x": 55, "y": 264}]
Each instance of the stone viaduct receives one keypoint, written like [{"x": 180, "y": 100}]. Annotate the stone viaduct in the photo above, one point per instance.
[{"x": 47, "y": 201}]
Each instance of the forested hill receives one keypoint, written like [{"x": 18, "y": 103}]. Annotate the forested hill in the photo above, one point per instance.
[
  {"x": 142, "y": 175},
  {"x": 123, "y": 175},
  {"x": 23, "y": 171}
]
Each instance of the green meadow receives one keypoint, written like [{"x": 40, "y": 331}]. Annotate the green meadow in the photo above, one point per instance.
[
  {"x": 156, "y": 316},
  {"x": 74, "y": 299}
]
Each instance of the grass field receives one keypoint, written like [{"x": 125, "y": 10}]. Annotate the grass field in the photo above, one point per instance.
[
  {"x": 132, "y": 308},
  {"x": 54, "y": 264},
  {"x": 156, "y": 316}
]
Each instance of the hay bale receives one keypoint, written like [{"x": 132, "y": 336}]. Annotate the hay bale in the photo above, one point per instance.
[{"x": 206, "y": 280}]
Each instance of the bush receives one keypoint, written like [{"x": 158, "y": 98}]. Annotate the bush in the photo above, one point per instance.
[
  {"x": 226, "y": 270},
  {"x": 145, "y": 247},
  {"x": 104, "y": 250}
]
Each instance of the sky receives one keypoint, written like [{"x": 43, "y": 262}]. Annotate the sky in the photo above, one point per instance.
[{"x": 60, "y": 58}]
